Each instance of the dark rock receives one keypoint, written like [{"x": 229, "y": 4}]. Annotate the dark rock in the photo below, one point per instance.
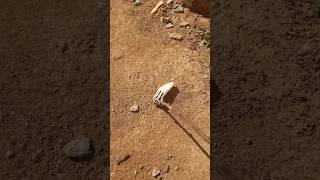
[
  {"x": 167, "y": 169},
  {"x": 198, "y": 6},
  {"x": 79, "y": 149},
  {"x": 122, "y": 158},
  {"x": 10, "y": 154},
  {"x": 249, "y": 141},
  {"x": 305, "y": 49}
]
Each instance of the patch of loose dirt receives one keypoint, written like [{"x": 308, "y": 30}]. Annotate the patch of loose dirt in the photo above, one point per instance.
[
  {"x": 142, "y": 58},
  {"x": 266, "y": 60}
]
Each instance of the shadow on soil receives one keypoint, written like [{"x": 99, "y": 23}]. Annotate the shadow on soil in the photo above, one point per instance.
[
  {"x": 189, "y": 134},
  {"x": 169, "y": 98},
  {"x": 216, "y": 93}
]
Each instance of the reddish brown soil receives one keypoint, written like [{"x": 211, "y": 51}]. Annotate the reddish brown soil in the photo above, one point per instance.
[
  {"x": 142, "y": 58},
  {"x": 51, "y": 87},
  {"x": 266, "y": 60}
]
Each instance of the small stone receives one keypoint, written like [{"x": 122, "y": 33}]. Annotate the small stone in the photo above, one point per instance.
[
  {"x": 184, "y": 24},
  {"x": 176, "y": 168},
  {"x": 64, "y": 47},
  {"x": 169, "y": 1},
  {"x": 135, "y": 172},
  {"x": 305, "y": 49},
  {"x": 134, "y": 108},
  {"x": 167, "y": 20},
  {"x": 155, "y": 9},
  {"x": 249, "y": 141},
  {"x": 198, "y": 6},
  {"x": 169, "y": 157},
  {"x": 186, "y": 9},
  {"x": 179, "y": 9},
  {"x": 35, "y": 157},
  {"x": 310, "y": 13},
  {"x": 141, "y": 167},
  {"x": 137, "y": 3},
  {"x": 317, "y": 59},
  {"x": 175, "y": 36},
  {"x": 193, "y": 46},
  {"x": 167, "y": 169},
  {"x": 116, "y": 58},
  {"x": 10, "y": 154},
  {"x": 79, "y": 149},
  {"x": 122, "y": 158},
  {"x": 155, "y": 172},
  {"x": 169, "y": 25}
]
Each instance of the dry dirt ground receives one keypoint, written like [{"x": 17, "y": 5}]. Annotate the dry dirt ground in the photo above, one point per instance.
[
  {"x": 267, "y": 63},
  {"x": 142, "y": 58}
]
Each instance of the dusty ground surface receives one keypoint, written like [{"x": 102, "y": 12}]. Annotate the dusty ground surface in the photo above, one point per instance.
[
  {"x": 143, "y": 57},
  {"x": 51, "y": 87},
  {"x": 267, "y": 61}
]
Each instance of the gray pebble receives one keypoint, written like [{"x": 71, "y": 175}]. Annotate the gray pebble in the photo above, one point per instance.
[
  {"x": 169, "y": 25},
  {"x": 179, "y": 9},
  {"x": 175, "y": 36},
  {"x": 184, "y": 24},
  {"x": 167, "y": 20},
  {"x": 134, "y": 108},
  {"x": 79, "y": 149},
  {"x": 169, "y": 1},
  {"x": 137, "y": 3},
  {"x": 155, "y": 172}
]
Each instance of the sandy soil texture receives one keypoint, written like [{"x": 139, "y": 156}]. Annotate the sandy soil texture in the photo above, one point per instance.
[{"x": 143, "y": 57}]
